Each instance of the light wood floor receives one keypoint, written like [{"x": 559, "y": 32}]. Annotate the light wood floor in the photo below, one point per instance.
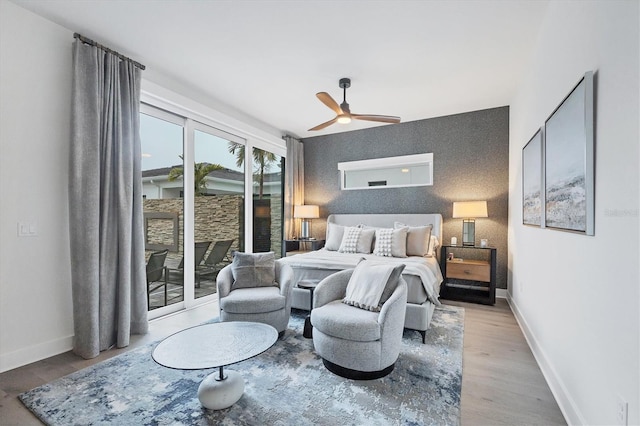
[{"x": 501, "y": 382}]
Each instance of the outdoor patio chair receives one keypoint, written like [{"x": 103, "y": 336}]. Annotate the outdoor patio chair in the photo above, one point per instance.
[
  {"x": 199, "y": 253},
  {"x": 217, "y": 255},
  {"x": 156, "y": 272}
]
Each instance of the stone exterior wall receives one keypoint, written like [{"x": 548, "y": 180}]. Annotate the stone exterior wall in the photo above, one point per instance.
[{"x": 217, "y": 217}]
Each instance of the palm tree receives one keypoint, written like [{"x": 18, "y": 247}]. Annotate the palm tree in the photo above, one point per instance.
[
  {"x": 262, "y": 162},
  {"x": 200, "y": 172}
]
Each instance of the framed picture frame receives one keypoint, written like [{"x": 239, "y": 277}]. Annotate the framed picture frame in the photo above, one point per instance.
[
  {"x": 532, "y": 181},
  {"x": 569, "y": 161}
]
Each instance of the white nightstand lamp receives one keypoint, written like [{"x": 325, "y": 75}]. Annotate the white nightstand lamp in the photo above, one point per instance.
[
  {"x": 305, "y": 213},
  {"x": 468, "y": 211}
]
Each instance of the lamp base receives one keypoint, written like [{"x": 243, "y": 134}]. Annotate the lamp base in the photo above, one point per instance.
[
  {"x": 468, "y": 232},
  {"x": 304, "y": 230}
]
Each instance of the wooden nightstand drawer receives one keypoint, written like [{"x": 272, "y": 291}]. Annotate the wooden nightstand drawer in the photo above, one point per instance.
[{"x": 469, "y": 270}]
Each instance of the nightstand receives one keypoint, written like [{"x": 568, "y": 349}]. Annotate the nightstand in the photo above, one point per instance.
[
  {"x": 470, "y": 276},
  {"x": 291, "y": 247}
]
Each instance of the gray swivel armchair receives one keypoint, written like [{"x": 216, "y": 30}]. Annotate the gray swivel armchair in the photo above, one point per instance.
[
  {"x": 268, "y": 303},
  {"x": 356, "y": 343}
]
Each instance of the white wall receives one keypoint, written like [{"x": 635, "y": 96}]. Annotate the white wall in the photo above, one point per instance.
[
  {"x": 36, "y": 319},
  {"x": 35, "y": 95},
  {"x": 577, "y": 297}
]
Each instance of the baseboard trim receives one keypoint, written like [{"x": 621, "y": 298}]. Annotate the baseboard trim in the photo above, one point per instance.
[
  {"x": 34, "y": 353},
  {"x": 567, "y": 405},
  {"x": 501, "y": 293}
]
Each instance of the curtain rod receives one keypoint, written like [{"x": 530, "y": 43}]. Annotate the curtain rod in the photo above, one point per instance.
[{"x": 99, "y": 46}]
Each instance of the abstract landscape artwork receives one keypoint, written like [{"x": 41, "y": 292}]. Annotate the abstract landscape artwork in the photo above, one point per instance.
[
  {"x": 532, "y": 181},
  {"x": 569, "y": 160}
]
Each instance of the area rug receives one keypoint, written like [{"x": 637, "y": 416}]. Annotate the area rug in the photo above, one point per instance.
[{"x": 286, "y": 385}]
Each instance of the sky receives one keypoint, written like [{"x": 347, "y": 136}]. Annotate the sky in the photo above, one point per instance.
[{"x": 162, "y": 146}]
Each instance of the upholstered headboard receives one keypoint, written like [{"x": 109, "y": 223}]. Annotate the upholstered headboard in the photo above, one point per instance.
[{"x": 387, "y": 220}]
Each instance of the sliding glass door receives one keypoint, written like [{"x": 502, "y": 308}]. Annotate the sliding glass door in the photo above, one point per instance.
[
  {"x": 200, "y": 205},
  {"x": 218, "y": 204}
]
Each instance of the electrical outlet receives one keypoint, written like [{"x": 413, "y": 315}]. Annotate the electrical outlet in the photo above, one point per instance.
[{"x": 622, "y": 408}]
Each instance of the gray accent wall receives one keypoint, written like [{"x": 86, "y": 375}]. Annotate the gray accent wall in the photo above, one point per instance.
[{"x": 471, "y": 162}]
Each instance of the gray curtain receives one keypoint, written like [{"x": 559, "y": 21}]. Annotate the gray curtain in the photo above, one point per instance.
[
  {"x": 293, "y": 185},
  {"x": 105, "y": 202}
]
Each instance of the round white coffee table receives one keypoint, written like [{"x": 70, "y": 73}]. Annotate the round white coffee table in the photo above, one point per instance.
[{"x": 216, "y": 346}]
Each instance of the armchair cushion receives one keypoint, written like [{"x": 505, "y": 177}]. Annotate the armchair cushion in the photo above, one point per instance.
[
  {"x": 253, "y": 270},
  {"x": 253, "y": 300},
  {"x": 369, "y": 282}
]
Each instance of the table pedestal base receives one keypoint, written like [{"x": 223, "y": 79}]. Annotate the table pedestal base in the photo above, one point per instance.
[{"x": 217, "y": 394}]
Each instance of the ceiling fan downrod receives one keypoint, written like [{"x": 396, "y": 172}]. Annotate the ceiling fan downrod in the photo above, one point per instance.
[{"x": 345, "y": 83}]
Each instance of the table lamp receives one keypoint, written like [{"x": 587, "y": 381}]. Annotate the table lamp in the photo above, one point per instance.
[
  {"x": 305, "y": 212},
  {"x": 468, "y": 211}
]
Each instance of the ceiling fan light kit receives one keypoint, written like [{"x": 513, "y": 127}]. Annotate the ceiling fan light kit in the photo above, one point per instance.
[{"x": 343, "y": 113}]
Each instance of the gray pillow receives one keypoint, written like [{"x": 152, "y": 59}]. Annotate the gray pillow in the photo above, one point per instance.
[
  {"x": 253, "y": 270},
  {"x": 392, "y": 283},
  {"x": 418, "y": 239}
]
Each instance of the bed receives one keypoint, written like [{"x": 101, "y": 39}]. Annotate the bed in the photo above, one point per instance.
[{"x": 422, "y": 272}]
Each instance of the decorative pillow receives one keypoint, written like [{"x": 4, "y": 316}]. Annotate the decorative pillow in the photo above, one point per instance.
[
  {"x": 356, "y": 240},
  {"x": 253, "y": 270},
  {"x": 418, "y": 239},
  {"x": 391, "y": 242},
  {"x": 433, "y": 246},
  {"x": 334, "y": 236},
  {"x": 391, "y": 283},
  {"x": 370, "y": 283}
]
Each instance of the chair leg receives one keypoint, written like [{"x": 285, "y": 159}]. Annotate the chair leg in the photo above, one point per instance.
[{"x": 165, "y": 290}]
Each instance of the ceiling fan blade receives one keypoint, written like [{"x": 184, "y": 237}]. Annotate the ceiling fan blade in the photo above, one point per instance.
[
  {"x": 323, "y": 125},
  {"x": 326, "y": 99},
  {"x": 380, "y": 118}
]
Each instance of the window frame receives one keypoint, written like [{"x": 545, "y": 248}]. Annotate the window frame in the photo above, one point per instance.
[{"x": 192, "y": 115}]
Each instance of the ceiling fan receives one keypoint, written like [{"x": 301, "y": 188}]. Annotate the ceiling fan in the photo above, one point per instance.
[{"x": 343, "y": 113}]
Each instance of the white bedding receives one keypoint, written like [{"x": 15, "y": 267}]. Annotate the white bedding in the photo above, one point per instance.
[{"x": 425, "y": 268}]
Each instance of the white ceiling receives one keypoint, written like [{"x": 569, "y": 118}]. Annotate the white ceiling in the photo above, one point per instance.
[{"x": 267, "y": 59}]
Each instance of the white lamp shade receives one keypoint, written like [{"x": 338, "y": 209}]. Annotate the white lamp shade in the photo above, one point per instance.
[
  {"x": 469, "y": 209},
  {"x": 306, "y": 212}
]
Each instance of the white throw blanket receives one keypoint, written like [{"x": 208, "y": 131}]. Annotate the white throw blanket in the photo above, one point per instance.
[
  {"x": 366, "y": 285},
  {"x": 426, "y": 269}
]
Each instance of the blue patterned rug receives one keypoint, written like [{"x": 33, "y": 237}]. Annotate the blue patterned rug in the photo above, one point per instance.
[{"x": 286, "y": 385}]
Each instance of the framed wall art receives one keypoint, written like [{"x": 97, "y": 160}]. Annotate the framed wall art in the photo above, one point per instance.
[
  {"x": 569, "y": 161},
  {"x": 532, "y": 181}
]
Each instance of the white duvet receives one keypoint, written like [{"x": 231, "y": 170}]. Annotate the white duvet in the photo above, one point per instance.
[{"x": 426, "y": 268}]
